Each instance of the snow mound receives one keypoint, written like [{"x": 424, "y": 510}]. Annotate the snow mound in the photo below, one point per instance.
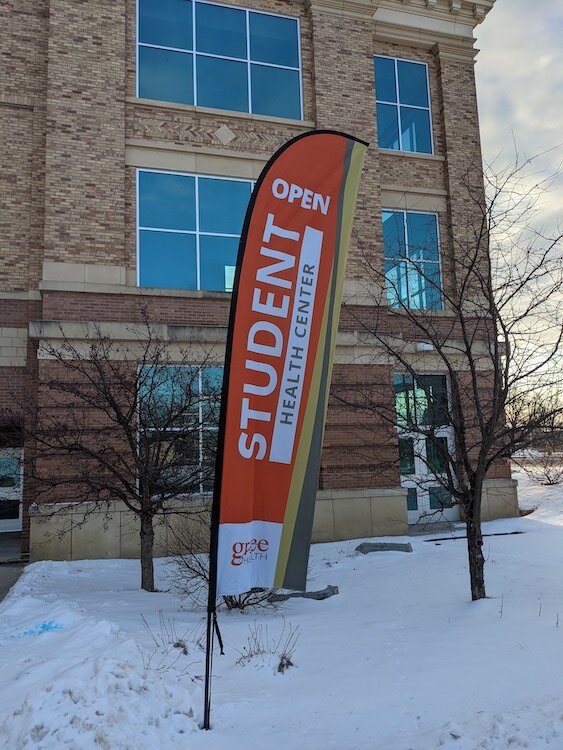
[
  {"x": 536, "y": 725},
  {"x": 105, "y": 703},
  {"x": 83, "y": 685}
]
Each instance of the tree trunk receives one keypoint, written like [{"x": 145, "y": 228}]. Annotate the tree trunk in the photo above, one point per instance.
[
  {"x": 147, "y": 543},
  {"x": 475, "y": 549}
]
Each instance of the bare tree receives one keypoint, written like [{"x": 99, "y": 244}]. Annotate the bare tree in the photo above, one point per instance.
[
  {"x": 492, "y": 323},
  {"x": 542, "y": 460},
  {"x": 122, "y": 422}
]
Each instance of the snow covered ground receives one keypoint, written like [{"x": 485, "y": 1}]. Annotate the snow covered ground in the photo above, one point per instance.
[{"x": 401, "y": 659}]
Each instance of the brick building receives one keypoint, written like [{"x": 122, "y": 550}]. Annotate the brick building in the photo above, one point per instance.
[{"x": 127, "y": 123}]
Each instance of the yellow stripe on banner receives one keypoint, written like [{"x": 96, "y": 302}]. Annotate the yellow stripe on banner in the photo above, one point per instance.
[
  {"x": 348, "y": 209},
  {"x": 327, "y": 338},
  {"x": 301, "y": 459}
]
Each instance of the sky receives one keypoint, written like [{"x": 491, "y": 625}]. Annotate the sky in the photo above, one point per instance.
[{"x": 519, "y": 75}]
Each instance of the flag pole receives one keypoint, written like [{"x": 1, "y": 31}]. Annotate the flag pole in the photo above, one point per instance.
[
  {"x": 338, "y": 226},
  {"x": 212, "y": 625}
]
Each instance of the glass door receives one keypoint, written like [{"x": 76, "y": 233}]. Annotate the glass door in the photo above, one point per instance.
[
  {"x": 422, "y": 461},
  {"x": 426, "y": 441}
]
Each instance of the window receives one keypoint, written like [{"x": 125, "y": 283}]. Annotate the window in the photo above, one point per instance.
[
  {"x": 406, "y": 455},
  {"x": 412, "y": 260},
  {"x": 11, "y": 470},
  {"x": 178, "y": 423},
  {"x": 440, "y": 498},
  {"x": 423, "y": 402},
  {"x": 188, "y": 230},
  {"x": 403, "y": 105},
  {"x": 194, "y": 52},
  {"x": 437, "y": 454}
]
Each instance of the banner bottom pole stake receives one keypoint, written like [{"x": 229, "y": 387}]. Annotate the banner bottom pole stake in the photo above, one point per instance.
[{"x": 208, "y": 669}]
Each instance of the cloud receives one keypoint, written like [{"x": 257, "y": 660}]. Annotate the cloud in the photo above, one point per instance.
[{"x": 519, "y": 75}]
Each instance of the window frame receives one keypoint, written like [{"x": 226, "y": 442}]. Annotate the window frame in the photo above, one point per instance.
[
  {"x": 436, "y": 216},
  {"x": 141, "y": 431},
  {"x": 248, "y": 61},
  {"x": 196, "y": 233},
  {"x": 398, "y": 105}
]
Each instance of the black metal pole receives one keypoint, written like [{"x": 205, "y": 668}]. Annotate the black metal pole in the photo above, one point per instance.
[
  {"x": 208, "y": 670},
  {"x": 215, "y": 508}
]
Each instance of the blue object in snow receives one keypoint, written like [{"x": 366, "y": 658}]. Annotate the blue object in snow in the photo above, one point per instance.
[{"x": 46, "y": 626}]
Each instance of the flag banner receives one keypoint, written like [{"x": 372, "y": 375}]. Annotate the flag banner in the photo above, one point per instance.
[{"x": 284, "y": 318}]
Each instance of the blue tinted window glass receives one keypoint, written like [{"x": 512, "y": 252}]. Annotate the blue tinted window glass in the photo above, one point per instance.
[
  {"x": 220, "y": 30},
  {"x": 433, "y": 291},
  {"x": 412, "y": 500},
  {"x": 416, "y": 287},
  {"x": 275, "y": 92},
  {"x": 166, "y": 201},
  {"x": 167, "y": 260},
  {"x": 165, "y": 75},
  {"x": 404, "y": 399},
  {"x": 423, "y": 236},
  {"x": 393, "y": 234},
  {"x": 396, "y": 282},
  {"x": 440, "y": 498},
  {"x": 218, "y": 257},
  {"x": 415, "y": 130},
  {"x": 387, "y": 126},
  {"x": 385, "y": 88},
  {"x": 406, "y": 455},
  {"x": 211, "y": 380},
  {"x": 424, "y": 286},
  {"x": 222, "y": 84},
  {"x": 167, "y": 23},
  {"x": 10, "y": 472},
  {"x": 435, "y": 411},
  {"x": 222, "y": 205},
  {"x": 164, "y": 395},
  {"x": 437, "y": 454},
  {"x": 413, "y": 88},
  {"x": 274, "y": 40}
]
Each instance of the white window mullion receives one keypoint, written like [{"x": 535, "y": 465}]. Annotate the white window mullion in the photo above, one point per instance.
[
  {"x": 440, "y": 268},
  {"x": 248, "y": 76},
  {"x": 167, "y": 49},
  {"x": 138, "y": 229},
  {"x": 194, "y": 66},
  {"x": 407, "y": 259},
  {"x": 137, "y": 67},
  {"x": 197, "y": 247},
  {"x": 302, "y": 110},
  {"x": 167, "y": 231},
  {"x": 400, "y": 129}
]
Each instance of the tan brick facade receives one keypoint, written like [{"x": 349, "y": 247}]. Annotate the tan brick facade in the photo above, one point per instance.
[{"x": 73, "y": 133}]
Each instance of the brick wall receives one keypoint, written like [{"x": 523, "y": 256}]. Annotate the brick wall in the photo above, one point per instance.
[
  {"x": 85, "y": 132},
  {"x": 360, "y": 443},
  {"x": 23, "y": 69}
]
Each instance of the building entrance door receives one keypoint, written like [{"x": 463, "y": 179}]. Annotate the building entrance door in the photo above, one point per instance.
[
  {"x": 11, "y": 480},
  {"x": 422, "y": 461}
]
